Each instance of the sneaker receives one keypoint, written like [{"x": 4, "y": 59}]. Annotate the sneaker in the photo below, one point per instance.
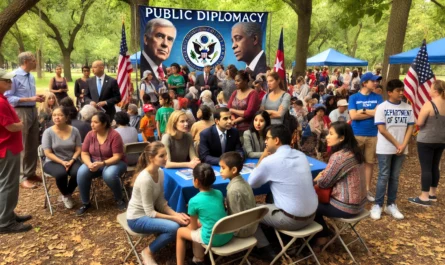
[
  {"x": 370, "y": 196},
  {"x": 15, "y": 228},
  {"x": 83, "y": 209},
  {"x": 394, "y": 211},
  {"x": 433, "y": 198},
  {"x": 121, "y": 205},
  {"x": 68, "y": 201},
  {"x": 376, "y": 212},
  {"x": 418, "y": 201}
]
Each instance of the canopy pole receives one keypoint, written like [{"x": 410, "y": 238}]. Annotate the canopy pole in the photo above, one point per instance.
[
  {"x": 137, "y": 74},
  {"x": 387, "y": 72}
]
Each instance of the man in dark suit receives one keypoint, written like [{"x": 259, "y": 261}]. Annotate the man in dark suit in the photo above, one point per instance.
[
  {"x": 207, "y": 81},
  {"x": 219, "y": 138},
  {"x": 247, "y": 39},
  {"x": 102, "y": 91},
  {"x": 158, "y": 41}
]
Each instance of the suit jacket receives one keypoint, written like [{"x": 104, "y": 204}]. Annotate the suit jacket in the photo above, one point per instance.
[
  {"x": 109, "y": 93},
  {"x": 261, "y": 66},
  {"x": 155, "y": 81},
  {"x": 211, "y": 81},
  {"x": 210, "y": 144}
]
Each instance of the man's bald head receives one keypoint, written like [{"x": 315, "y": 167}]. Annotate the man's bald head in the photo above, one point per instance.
[{"x": 98, "y": 68}]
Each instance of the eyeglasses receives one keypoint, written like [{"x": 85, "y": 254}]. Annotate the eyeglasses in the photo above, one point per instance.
[
  {"x": 6, "y": 80},
  {"x": 269, "y": 137}
]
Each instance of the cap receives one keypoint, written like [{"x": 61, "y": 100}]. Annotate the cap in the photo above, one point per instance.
[
  {"x": 146, "y": 73},
  {"x": 148, "y": 107},
  {"x": 342, "y": 103},
  {"x": 369, "y": 76},
  {"x": 183, "y": 103},
  {"x": 258, "y": 80},
  {"x": 5, "y": 75}
]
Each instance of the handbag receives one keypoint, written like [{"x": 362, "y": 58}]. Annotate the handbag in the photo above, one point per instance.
[{"x": 324, "y": 195}]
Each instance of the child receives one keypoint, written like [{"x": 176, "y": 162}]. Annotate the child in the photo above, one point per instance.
[
  {"x": 239, "y": 193},
  {"x": 163, "y": 113},
  {"x": 221, "y": 100},
  {"x": 147, "y": 124},
  {"x": 208, "y": 207},
  {"x": 172, "y": 94},
  {"x": 184, "y": 105},
  {"x": 395, "y": 122}
]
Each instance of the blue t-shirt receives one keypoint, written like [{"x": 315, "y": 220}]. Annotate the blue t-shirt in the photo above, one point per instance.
[
  {"x": 358, "y": 102},
  {"x": 209, "y": 207}
]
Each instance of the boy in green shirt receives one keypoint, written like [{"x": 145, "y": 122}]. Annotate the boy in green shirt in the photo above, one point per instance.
[{"x": 176, "y": 80}]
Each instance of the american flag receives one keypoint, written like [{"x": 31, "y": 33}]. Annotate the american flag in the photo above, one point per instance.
[
  {"x": 418, "y": 80},
  {"x": 124, "y": 69}
]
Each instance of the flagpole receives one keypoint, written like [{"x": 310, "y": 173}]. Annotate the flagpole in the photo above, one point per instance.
[{"x": 137, "y": 70}]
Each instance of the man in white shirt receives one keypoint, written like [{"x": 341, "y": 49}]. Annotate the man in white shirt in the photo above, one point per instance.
[
  {"x": 341, "y": 112},
  {"x": 247, "y": 40},
  {"x": 159, "y": 37}
]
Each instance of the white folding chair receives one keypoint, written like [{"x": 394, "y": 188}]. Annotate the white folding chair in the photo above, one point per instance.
[
  {"x": 129, "y": 149},
  {"x": 122, "y": 220},
  {"x": 348, "y": 223},
  {"x": 46, "y": 186},
  {"x": 305, "y": 234},
  {"x": 233, "y": 223}
]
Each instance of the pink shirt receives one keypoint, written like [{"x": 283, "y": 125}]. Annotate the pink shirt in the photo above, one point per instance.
[{"x": 100, "y": 152}]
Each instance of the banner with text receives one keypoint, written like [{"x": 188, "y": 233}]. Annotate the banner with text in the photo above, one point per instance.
[{"x": 200, "y": 37}]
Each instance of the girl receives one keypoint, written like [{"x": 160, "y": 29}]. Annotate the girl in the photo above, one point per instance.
[
  {"x": 148, "y": 212},
  {"x": 205, "y": 116},
  {"x": 208, "y": 207},
  {"x": 163, "y": 113},
  {"x": 176, "y": 81},
  {"x": 255, "y": 136}
]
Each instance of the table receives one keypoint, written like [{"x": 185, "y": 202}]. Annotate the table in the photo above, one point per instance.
[{"x": 179, "y": 191}]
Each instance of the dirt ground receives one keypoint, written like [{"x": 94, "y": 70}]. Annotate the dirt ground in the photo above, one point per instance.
[{"x": 96, "y": 238}]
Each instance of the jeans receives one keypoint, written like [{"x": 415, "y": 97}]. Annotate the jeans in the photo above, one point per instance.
[
  {"x": 389, "y": 171},
  {"x": 326, "y": 209},
  {"x": 147, "y": 225},
  {"x": 110, "y": 174},
  {"x": 429, "y": 158},
  {"x": 59, "y": 172}
]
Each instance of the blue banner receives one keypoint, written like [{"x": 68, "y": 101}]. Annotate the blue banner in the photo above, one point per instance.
[{"x": 201, "y": 37}]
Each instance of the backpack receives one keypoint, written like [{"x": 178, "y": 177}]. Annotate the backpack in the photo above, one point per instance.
[{"x": 288, "y": 120}]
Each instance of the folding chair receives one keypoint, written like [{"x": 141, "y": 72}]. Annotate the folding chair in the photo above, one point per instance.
[
  {"x": 122, "y": 219},
  {"x": 129, "y": 149},
  {"x": 231, "y": 224},
  {"x": 305, "y": 234},
  {"x": 46, "y": 187},
  {"x": 351, "y": 223}
]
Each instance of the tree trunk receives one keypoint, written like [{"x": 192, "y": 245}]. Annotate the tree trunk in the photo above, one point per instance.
[
  {"x": 398, "y": 21},
  {"x": 2, "y": 61},
  {"x": 39, "y": 63},
  {"x": 303, "y": 33},
  {"x": 135, "y": 44},
  {"x": 12, "y": 13},
  {"x": 67, "y": 65}
]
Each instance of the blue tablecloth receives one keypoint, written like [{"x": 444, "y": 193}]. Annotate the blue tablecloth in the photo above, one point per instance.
[{"x": 179, "y": 191}]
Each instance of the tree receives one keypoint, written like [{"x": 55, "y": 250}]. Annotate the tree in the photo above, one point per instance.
[
  {"x": 12, "y": 13},
  {"x": 135, "y": 22},
  {"x": 66, "y": 49},
  {"x": 303, "y": 8}
]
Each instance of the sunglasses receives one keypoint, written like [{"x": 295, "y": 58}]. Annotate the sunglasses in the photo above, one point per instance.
[{"x": 6, "y": 80}]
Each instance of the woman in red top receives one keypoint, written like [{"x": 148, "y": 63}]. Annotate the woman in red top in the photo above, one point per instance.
[
  {"x": 243, "y": 103},
  {"x": 102, "y": 155},
  {"x": 10, "y": 148}
]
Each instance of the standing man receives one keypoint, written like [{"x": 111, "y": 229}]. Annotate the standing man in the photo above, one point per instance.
[
  {"x": 23, "y": 98},
  {"x": 290, "y": 179},
  {"x": 10, "y": 147},
  {"x": 247, "y": 39},
  {"x": 102, "y": 91},
  {"x": 362, "y": 106},
  {"x": 159, "y": 37},
  {"x": 207, "y": 81}
]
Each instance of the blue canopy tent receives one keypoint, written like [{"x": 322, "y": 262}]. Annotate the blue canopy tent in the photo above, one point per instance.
[
  {"x": 436, "y": 54},
  {"x": 136, "y": 58},
  {"x": 331, "y": 57}
]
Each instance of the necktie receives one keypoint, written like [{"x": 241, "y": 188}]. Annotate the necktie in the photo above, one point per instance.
[
  {"x": 99, "y": 86},
  {"x": 161, "y": 72},
  {"x": 205, "y": 78},
  {"x": 223, "y": 142}
]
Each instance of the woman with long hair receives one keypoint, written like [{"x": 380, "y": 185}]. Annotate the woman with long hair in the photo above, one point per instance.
[
  {"x": 45, "y": 111},
  {"x": 148, "y": 211},
  {"x": 344, "y": 175},
  {"x": 148, "y": 88},
  {"x": 179, "y": 142},
  {"x": 58, "y": 85},
  {"x": 243, "y": 103},
  {"x": 277, "y": 101},
  {"x": 255, "y": 136}
]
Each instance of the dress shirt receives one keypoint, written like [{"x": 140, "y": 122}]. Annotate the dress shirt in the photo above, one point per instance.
[
  {"x": 101, "y": 80},
  {"x": 153, "y": 66},
  {"x": 23, "y": 86},
  {"x": 254, "y": 62},
  {"x": 222, "y": 138},
  {"x": 289, "y": 175}
]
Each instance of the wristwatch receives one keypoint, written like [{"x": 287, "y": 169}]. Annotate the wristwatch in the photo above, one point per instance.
[{"x": 364, "y": 111}]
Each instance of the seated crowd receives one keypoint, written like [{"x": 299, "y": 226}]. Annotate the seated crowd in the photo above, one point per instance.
[{"x": 253, "y": 124}]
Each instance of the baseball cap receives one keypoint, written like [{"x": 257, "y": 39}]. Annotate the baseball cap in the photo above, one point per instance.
[
  {"x": 5, "y": 75},
  {"x": 148, "y": 107},
  {"x": 146, "y": 73},
  {"x": 369, "y": 76},
  {"x": 342, "y": 103}
]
